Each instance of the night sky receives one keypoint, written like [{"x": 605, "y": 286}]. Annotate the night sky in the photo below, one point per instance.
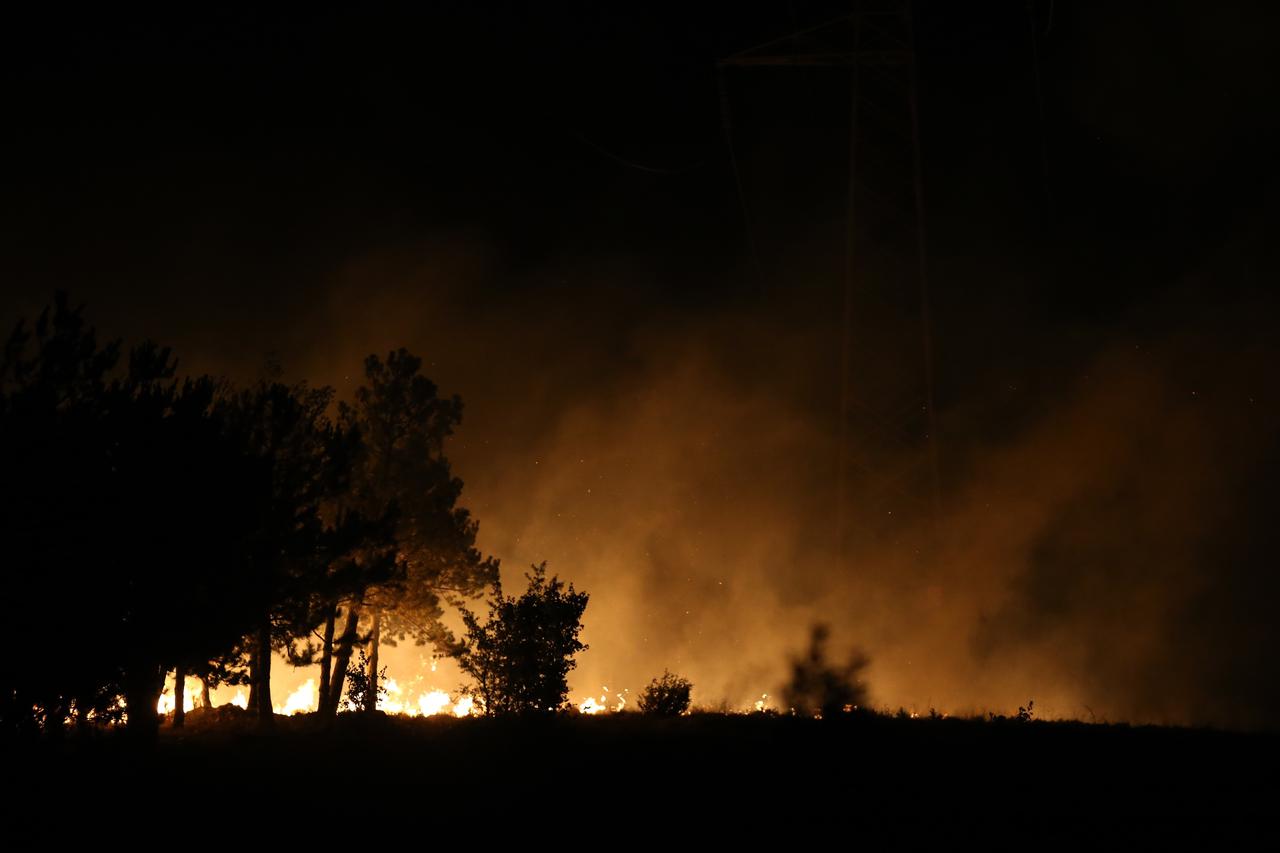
[{"x": 541, "y": 200}]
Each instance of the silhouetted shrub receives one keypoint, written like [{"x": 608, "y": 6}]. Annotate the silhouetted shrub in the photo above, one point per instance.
[
  {"x": 1025, "y": 714},
  {"x": 667, "y": 696},
  {"x": 820, "y": 689},
  {"x": 521, "y": 656},
  {"x": 358, "y": 686}
]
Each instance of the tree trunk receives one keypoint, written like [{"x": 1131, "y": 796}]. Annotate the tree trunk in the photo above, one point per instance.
[
  {"x": 82, "y": 716},
  {"x": 262, "y": 677},
  {"x": 326, "y": 662},
  {"x": 252, "y": 707},
  {"x": 142, "y": 690},
  {"x": 252, "y": 678},
  {"x": 371, "y": 698},
  {"x": 179, "y": 696},
  {"x": 343, "y": 657},
  {"x": 206, "y": 701},
  {"x": 55, "y": 719}
]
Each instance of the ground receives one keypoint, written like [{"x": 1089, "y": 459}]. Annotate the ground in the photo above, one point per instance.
[{"x": 741, "y": 773}]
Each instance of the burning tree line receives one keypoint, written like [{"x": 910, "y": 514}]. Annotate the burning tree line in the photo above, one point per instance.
[{"x": 156, "y": 524}]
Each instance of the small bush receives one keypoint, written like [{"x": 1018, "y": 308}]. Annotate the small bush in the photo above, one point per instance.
[
  {"x": 1026, "y": 713},
  {"x": 358, "y": 683},
  {"x": 667, "y": 696},
  {"x": 819, "y": 688}
]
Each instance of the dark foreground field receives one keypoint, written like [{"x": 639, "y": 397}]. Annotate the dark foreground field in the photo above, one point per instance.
[{"x": 739, "y": 772}]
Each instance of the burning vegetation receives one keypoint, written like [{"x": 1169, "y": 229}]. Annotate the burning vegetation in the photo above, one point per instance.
[
  {"x": 270, "y": 548},
  {"x": 194, "y": 528},
  {"x": 198, "y": 531}
]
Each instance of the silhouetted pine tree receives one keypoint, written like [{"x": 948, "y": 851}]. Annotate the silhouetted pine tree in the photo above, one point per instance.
[
  {"x": 401, "y": 468},
  {"x": 125, "y": 513},
  {"x": 155, "y": 524},
  {"x": 311, "y": 548}
]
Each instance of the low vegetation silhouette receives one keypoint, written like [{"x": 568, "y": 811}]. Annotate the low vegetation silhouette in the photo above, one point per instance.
[
  {"x": 821, "y": 688},
  {"x": 365, "y": 691},
  {"x": 666, "y": 696},
  {"x": 521, "y": 655}
]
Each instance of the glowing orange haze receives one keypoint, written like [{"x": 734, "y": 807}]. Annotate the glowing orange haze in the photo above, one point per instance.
[
  {"x": 684, "y": 479},
  {"x": 699, "y": 562}
]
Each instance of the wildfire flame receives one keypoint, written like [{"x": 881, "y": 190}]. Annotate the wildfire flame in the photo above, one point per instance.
[
  {"x": 427, "y": 704},
  {"x": 434, "y": 702},
  {"x": 594, "y": 705},
  {"x": 301, "y": 701},
  {"x": 190, "y": 696}
]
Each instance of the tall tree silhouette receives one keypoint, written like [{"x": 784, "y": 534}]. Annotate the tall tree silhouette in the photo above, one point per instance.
[
  {"x": 52, "y": 381},
  {"x": 156, "y": 524},
  {"x": 401, "y": 469},
  {"x": 125, "y": 511},
  {"x": 310, "y": 548}
]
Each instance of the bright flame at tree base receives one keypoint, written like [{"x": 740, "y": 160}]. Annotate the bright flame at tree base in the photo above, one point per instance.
[
  {"x": 594, "y": 705},
  {"x": 428, "y": 703},
  {"x": 407, "y": 701}
]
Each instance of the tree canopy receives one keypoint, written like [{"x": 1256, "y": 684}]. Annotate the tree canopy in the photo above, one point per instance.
[
  {"x": 156, "y": 524},
  {"x": 127, "y": 514},
  {"x": 404, "y": 423},
  {"x": 401, "y": 472}
]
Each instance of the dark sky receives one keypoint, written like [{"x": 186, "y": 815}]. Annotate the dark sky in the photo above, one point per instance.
[
  {"x": 233, "y": 155},
  {"x": 540, "y": 199}
]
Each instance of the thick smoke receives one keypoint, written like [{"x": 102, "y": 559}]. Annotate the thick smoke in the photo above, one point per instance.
[
  {"x": 1102, "y": 558},
  {"x": 660, "y": 426}
]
